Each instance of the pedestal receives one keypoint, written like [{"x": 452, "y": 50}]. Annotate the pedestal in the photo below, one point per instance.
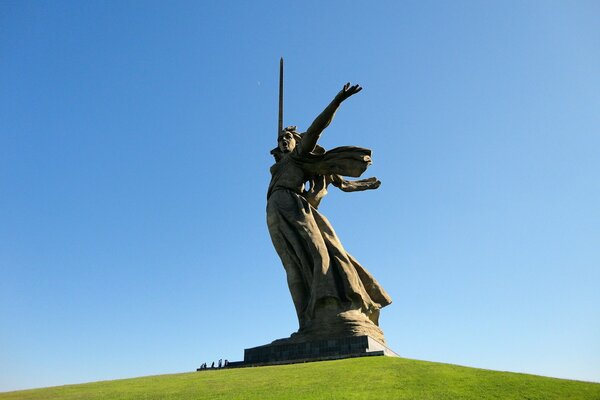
[{"x": 326, "y": 349}]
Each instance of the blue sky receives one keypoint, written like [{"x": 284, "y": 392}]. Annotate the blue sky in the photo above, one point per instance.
[{"x": 134, "y": 163}]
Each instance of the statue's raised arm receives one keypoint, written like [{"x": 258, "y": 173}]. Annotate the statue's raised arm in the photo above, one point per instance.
[{"x": 324, "y": 119}]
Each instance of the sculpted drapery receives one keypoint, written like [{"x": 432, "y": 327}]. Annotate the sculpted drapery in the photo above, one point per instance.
[{"x": 333, "y": 294}]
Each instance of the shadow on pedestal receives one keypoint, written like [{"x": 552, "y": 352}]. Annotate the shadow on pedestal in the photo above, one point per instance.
[{"x": 316, "y": 350}]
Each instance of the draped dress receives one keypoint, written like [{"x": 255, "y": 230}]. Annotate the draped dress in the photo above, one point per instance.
[{"x": 317, "y": 266}]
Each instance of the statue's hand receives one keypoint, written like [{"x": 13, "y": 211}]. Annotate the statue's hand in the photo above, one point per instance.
[
  {"x": 348, "y": 91},
  {"x": 354, "y": 186}
]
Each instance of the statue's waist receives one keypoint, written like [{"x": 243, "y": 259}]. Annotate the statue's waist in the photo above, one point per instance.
[{"x": 297, "y": 191}]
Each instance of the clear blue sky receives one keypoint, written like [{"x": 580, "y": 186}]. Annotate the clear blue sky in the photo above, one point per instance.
[{"x": 134, "y": 163}]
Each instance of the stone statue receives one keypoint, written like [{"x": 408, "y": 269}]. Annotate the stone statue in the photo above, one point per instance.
[{"x": 334, "y": 296}]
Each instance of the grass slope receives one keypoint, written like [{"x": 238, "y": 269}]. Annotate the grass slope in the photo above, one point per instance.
[{"x": 359, "y": 378}]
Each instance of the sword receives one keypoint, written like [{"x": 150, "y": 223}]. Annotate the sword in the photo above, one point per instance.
[{"x": 280, "y": 122}]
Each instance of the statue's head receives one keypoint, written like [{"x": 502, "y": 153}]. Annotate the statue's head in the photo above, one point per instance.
[{"x": 287, "y": 141}]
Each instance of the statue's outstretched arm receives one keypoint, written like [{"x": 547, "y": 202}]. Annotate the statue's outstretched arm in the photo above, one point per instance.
[
  {"x": 318, "y": 186},
  {"x": 324, "y": 119}
]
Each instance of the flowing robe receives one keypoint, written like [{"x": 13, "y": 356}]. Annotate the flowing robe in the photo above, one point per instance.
[{"x": 317, "y": 265}]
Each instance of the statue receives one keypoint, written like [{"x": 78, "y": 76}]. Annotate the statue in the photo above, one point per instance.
[{"x": 334, "y": 296}]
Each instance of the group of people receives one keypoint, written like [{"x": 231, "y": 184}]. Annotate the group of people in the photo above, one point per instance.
[{"x": 220, "y": 364}]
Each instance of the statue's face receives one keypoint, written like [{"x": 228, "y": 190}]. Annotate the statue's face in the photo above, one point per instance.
[{"x": 287, "y": 142}]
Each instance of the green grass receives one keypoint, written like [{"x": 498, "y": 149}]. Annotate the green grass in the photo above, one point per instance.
[{"x": 359, "y": 378}]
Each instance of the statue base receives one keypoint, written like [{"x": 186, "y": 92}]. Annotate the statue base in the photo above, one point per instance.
[{"x": 314, "y": 350}]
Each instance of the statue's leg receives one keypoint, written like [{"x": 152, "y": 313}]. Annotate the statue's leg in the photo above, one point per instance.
[
  {"x": 284, "y": 240},
  {"x": 299, "y": 294}
]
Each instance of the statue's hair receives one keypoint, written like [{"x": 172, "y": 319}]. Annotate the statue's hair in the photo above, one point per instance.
[
  {"x": 277, "y": 153},
  {"x": 293, "y": 129}
]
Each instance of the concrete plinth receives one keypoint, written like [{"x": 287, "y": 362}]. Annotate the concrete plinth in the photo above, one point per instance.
[{"x": 326, "y": 349}]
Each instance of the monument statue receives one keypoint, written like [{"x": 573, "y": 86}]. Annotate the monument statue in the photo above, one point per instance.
[{"x": 334, "y": 296}]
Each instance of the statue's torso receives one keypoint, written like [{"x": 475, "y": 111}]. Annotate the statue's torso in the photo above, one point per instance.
[{"x": 287, "y": 173}]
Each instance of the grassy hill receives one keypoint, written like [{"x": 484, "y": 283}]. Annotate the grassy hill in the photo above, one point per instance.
[{"x": 359, "y": 378}]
